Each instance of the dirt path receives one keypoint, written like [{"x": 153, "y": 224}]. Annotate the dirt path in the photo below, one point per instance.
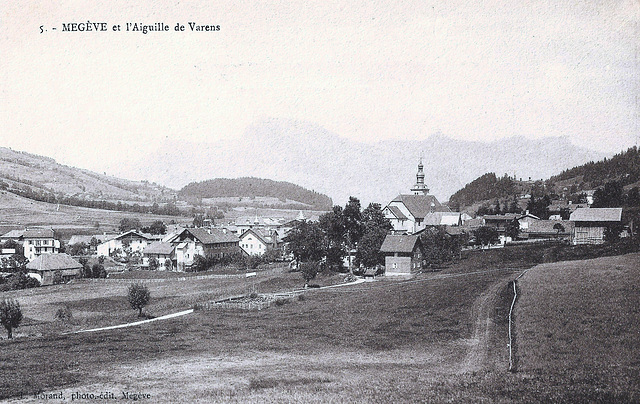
[{"x": 483, "y": 310}]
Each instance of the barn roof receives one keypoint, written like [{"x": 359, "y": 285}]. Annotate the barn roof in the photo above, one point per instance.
[
  {"x": 38, "y": 233},
  {"x": 596, "y": 215},
  {"x": 53, "y": 262},
  {"x": 399, "y": 243},
  {"x": 421, "y": 205}
]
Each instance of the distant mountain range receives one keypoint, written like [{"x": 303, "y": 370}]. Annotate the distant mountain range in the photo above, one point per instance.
[{"x": 315, "y": 158}]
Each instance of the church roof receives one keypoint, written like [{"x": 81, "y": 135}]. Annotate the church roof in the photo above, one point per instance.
[
  {"x": 397, "y": 212},
  {"x": 421, "y": 205}
]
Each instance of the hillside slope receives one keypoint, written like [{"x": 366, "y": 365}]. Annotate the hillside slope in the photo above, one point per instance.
[
  {"x": 43, "y": 175},
  {"x": 249, "y": 187}
]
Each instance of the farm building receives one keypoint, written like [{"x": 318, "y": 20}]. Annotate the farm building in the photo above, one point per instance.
[
  {"x": 207, "y": 243},
  {"x": 131, "y": 239},
  {"x": 257, "y": 242},
  {"x": 590, "y": 224},
  {"x": 403, "y": 254},
  {"x": 163, "y": 252},
  {"x": 44, "y": 268}
]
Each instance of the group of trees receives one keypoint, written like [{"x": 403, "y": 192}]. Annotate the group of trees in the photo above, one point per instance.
[
  {"x": 337, "y": 234},
  {"x": 96, "y": 270},
  {"x": 500, "y": 209},
  {"x": 487, "y": 186},
  {"x": 157, "y": 227},
  {"x": 255, "y": 187}
]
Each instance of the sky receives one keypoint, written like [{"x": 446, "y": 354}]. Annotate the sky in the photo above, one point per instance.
[{"x": 365, "y": 70}]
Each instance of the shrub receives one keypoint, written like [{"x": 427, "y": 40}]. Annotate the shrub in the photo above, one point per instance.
[
  {"x": 309, "y": 271},
  {"x": 64, "y": 314}
]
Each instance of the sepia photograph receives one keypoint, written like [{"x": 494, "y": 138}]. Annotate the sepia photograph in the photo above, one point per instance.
[{"x": 337, "y": 201}]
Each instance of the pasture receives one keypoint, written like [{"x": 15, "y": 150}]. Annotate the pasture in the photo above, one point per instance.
[{"x": 440, "y": 337}]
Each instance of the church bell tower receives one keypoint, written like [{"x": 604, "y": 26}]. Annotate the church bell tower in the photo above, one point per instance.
[{"x": 420, "y": 188}]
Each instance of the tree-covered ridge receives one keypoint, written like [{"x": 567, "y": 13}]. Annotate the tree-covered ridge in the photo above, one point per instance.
[
  {"x": 255, "y": 187},
  {"x": 482, "y": 188},
  {"x": 623, "y": 167}
]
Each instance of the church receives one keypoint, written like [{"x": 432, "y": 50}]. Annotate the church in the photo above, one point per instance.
[{"x": 410, "y": 213}]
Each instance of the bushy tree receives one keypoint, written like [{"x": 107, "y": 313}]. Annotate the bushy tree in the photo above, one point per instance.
[
  {"x": 10, "y": 315},
  {"x": 512, "y": 229},
  {"x": 486, "y": 235},
  {"x": 127, "y": 224},
  {"x": 375, "y": 229},
  {"x": 309, "y": 271},
  {"x": 353, "y": 225},
  {"x": 609, "y": 196},
  {"x": 306, "y": 241},
  {"x": 539, "y": 206},
  {"x": 139, "y": 296},
  {"x": 332, "y": 224},
  {"x": 153, "y": 264},
  {"x": 156, "y": 227}
]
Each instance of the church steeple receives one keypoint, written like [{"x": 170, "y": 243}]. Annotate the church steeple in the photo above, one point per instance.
[{"x": 420, "y": 188}]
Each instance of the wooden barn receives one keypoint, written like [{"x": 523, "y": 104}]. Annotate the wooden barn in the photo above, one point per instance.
[
  {"x": 590, "y": 223},
  {"x": 403, "y": 254}
]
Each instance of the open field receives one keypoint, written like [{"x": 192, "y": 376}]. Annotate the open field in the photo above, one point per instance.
[
  {"x": 578, "y": 323},
  {"x": 440, "y": 337},
  {"x": 17, "y": 210}
]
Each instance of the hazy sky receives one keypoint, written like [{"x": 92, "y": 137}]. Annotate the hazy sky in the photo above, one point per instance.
[{"x": 366, "y": 70}]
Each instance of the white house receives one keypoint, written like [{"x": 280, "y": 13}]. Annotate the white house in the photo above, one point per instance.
[
  {"x": 34, "y": 241},
  {"x": 131, "y": 239},
  {"x": 256, "y": 242}
]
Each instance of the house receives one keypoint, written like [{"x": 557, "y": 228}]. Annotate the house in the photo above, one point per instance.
[
  {"x": 34, "y": 241},
  {"x": 404, "y": 254},
  {"x": 205, "y": 242},
  {"x": 256, "y": 242},
  {"x": 590, "y": 224},
  {"x": 45, "y": 267},
  {"x": 408, "y": 213},
  {"x": 163, "y": 252},
  {"x": 131, "y": 240}
]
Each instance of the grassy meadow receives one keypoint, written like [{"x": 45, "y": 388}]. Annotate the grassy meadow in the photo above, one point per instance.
[{"x": 439, "y": 337}]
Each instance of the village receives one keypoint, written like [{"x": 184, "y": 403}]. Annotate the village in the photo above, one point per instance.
[{"x": 399, "y": 247}]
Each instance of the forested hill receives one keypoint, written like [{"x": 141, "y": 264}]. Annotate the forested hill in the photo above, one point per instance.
[
  {"x": 623, "y": 168},
  {"x": 250, "y": 187},
  {"x": 482, "y": 188}
]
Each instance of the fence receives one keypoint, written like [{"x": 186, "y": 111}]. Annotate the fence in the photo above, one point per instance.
[
  {"x": 259, "y": 302},
  {"x": 513, "y": 303}
]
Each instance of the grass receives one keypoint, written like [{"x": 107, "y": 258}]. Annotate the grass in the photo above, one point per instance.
[{"x": 386, "y": 341}]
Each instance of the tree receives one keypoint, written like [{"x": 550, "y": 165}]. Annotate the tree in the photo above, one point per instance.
[
  {"x": 609, "y": 196},
  {"x": 306, "y": 241},
  {"x": 539, "y": 206},
  {"x": 633, "y": 197},
  {"x": 512, "y": 229},
  {"x": 153, "y": 264},
  {"x": 10, "y": 315},
  {"x": 375, "y": 229},
  {"x": 78, "y": 249},
  {"x": 156, "y": 227},
  {"x": 127, "y": 224},
  {"x": 332, "y": 224},
  {"x": 57, "y": 277},
  {"x": 559, "y": 228},
  {"x": 309, "y": 271},
  {"x": 353, "y": 225},
  {"x": 139, "y": 296},
  {"x": 486, "y": 235}
]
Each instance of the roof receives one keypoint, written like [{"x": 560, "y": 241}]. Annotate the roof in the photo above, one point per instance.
[
  {"x": 442, "y": 218},
  {"x": 549, "y": 227},
  {"x": 133, "y": 232},
  {"x": 38, "y": 233},
  {"x": 596, "y": 215},
  {"x": 13, "y": 234},
  {"x": 77, "y": 239},
  {"x": 159, "y": 247},
  {"x": 395, "y": 211},
  {"x": 421, "y": 205},
  {"x": 53, "y": 262},
  {"x": 506, "y": 216},
  {"x": 210, "y": 236},
  {"x": 399, "y": 243}
]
